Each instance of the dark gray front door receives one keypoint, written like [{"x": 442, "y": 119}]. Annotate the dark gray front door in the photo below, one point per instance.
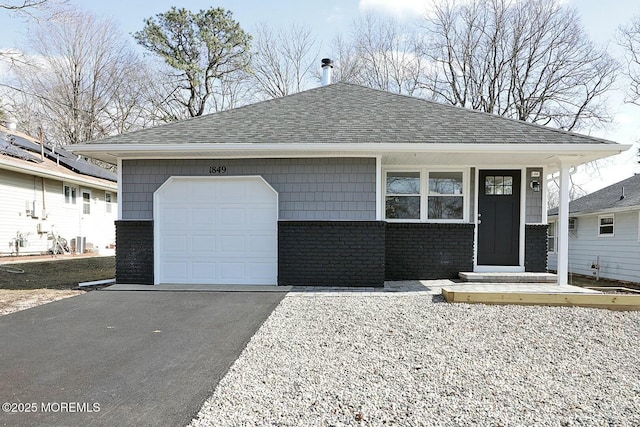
[{"x": 499, "y": 217}]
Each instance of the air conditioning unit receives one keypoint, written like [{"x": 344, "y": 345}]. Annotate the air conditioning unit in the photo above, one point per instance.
[{"x": 573, "y": 224}]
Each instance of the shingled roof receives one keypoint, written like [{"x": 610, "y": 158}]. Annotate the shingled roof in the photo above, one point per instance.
[
  {"x": 348, "y": 113},
  {"x": 608, "y": 198}
]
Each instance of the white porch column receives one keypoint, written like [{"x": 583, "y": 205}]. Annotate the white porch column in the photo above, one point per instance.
[{"x": 563, "y": 225}]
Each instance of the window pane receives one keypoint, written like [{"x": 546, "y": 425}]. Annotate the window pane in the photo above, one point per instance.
[
  {"x": 107, "y": 197},
  {"x": 508, "y": 180},
  {"x": 508, "y": 190},
  {"x": 86, "y": 203},
  {"x": 488, "y": 190},
  {"x": 606, "y": 221},
  {"x": 403, "y": 183},
  {"x": 73, "y": 195},
  {"x": 449, "y": 207},
  {"x": 402, "y": 207},
  {"x": 66, "y": 194},
  {"x": 445, "y": 183},
  {"x": 606, "y": 229}
]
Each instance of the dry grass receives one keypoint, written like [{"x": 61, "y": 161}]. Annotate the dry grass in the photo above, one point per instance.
[{"x": 50, "y": 280}]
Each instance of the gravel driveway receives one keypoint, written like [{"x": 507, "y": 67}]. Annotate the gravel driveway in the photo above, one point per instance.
[{"x": 411, "y": 359}]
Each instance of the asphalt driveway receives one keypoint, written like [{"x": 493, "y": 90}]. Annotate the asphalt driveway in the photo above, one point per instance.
[{"x": 123, "y": 358}]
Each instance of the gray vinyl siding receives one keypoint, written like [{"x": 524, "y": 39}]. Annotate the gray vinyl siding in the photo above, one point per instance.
[
  {"x": 619, "y": 255},
  {"x": 533, "y": 212},
  {"x": 308, "y": 189}
]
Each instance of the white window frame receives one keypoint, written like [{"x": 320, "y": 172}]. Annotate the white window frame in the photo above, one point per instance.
[
  {"x": 73, "y": 200},
  {"x": 84, "y": 191},
  {"x": 108, "y": 204},
  {"x": 613, "y": 225},
  {"x": 419, "y": 195},
  {"x": 424, "y": 193},
  {"x": 552, "y": 249}
]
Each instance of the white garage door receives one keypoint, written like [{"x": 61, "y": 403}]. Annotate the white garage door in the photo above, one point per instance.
[{"x": 216, "y": 230}]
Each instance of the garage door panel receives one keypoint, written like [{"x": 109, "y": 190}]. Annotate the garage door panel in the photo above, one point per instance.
[
  {"x": 172, "y": 243},
  {"x": 233, "y": 243},
  {"x": 202, "y": 272},
  {"x": 216, "y": 231},
  {"x": 232, "y": 272},
  {"x": 173, "y": 216},
  {"x": 262, "y": 244},
  {"x": 233, "y": 192},
  {"x": 174, "y": 271},
  {"x": 177, "y": 192},
  {"x": 261, "y": 216},
  {"x": 203, "y": 218},
  {"x": 261, "y": 272},
  {"x": 204, "y": 244},
  {"x": 232, "y": 216}
]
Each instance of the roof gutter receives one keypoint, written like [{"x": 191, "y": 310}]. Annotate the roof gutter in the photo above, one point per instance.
[
  {"x": 599, "y": 211},
  {"x": 560, "y": 149}
]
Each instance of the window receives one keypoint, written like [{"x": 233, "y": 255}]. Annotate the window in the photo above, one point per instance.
[
  {"x": 86, "y": 202},
  {"x": 551, "y": 237},
  {"x": 423, "y": 195},
  {"x": 107, "y": 202},
  {"x": 70, "y": 194},
  {"x": 445, "y": 199},
  {"x": 498, "y": 185},
  {"x": 605, "y": 225},
  {"x": 402, "y": 199}
]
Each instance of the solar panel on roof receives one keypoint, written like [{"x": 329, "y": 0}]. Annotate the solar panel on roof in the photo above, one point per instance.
[
  {"x": 10, "y": 150},
  {"x": 63, "y": 157}
]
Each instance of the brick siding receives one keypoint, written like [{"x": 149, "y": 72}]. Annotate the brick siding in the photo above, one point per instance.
[
  {"x": 535, "y": 248},
  {"x": 331, "y": 253},
  {"x": 134, "y": 253},
  {"x": 428, "y": 251}
]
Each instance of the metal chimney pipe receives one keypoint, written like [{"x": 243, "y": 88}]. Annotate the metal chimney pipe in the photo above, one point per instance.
[{"x": 327, "y": 68}]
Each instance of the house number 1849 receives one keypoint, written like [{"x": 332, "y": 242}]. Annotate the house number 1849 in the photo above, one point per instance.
[{"x": 217, "y": 170}]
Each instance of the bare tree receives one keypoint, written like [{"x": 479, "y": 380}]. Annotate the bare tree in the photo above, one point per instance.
[
  {"x": 531, "y": 61},
  {"x": 82, "y": 81},
  {"x": 284, "y": 60},
  {"x": 381, "y": 54},
  {"x": 629, "y": 39}
]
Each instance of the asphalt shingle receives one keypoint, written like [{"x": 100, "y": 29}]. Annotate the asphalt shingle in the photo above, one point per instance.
[
  {"x": 607, "y": 198},
  {"x": 348, "y": 113}
]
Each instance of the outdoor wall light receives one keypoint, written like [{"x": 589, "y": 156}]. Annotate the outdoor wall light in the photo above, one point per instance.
[{"x": 535, "y": 185}]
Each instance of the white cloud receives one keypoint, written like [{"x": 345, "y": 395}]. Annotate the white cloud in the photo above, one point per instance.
[{"x": 398, "y": 8}]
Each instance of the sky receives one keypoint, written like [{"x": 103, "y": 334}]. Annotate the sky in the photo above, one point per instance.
[{"x": 327, "y": 18}]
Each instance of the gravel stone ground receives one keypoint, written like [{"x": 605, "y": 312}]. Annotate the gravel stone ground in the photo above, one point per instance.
[
  {"x": 414, "y": 360},
  {"x": 16, "y": 300}
]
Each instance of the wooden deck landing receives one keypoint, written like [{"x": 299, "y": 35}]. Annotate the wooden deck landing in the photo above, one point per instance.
[{"x": 493, "y": 295}]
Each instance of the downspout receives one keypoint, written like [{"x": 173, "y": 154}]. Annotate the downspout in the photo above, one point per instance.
[{"x": 44, "y": 201}]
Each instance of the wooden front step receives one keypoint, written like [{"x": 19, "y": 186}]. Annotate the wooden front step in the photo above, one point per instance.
[{"x": 508, "y": 277}]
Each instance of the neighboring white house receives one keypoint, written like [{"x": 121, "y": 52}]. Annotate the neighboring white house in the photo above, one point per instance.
[
  {"x": 604, "y": 233},
  {"x": 49, "y": 192}
]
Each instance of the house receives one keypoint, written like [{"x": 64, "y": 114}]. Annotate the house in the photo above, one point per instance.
[
  {"x": 47, "y": 194},
  {"x": 604, "y": 233},
  {"x": 337, "y": 185}
]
